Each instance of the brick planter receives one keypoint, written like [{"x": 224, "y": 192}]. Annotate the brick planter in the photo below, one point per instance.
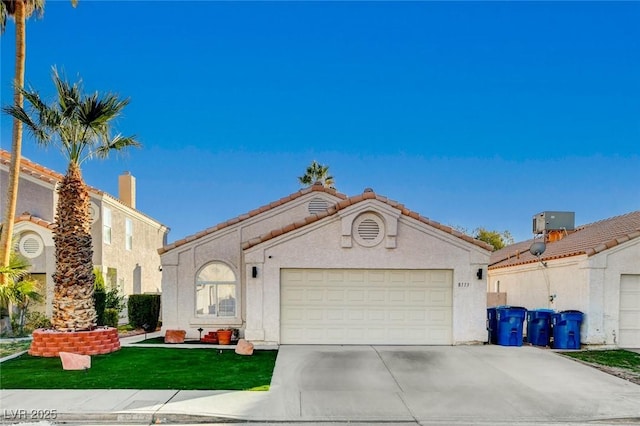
[{"x": 49, "y": 343}]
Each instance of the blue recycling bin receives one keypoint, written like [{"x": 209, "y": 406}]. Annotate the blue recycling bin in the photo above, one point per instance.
[
  {"x": 492, "y": 325},
  {"x": 510, "y": 322},
  {"x": 539, "y": 326},
  {"x": 566, "y": 329}
]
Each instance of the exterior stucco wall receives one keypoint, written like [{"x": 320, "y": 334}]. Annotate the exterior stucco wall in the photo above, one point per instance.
[
  {"x": 606, "y": 270},
  {"x": 417, "y": 246},
  {"x": 180, "y": 266},
  {"x": 138, "y": 269},
  {"x": 45, "y": 262},
  {"x": 587, "y": 284},
  {"x": 34, "y": 196}
]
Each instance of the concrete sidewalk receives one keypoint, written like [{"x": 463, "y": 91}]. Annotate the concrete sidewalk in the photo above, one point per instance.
[{"x": 371, "y": 384}]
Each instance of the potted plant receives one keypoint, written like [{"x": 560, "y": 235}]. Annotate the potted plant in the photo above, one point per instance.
[{"x": 224, "y": 336}]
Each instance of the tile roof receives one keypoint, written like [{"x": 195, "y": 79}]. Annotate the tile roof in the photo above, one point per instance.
[
  {"x": 37, "y": 171},
  {"x": 314, "y": 188},
  {"x": 588, "y": 239},
  {"x": 26, "y": 217},
  {"x": 44, "y": 174},
  {"x": 343, "y": 203},
  {"x": 367, "y": 195}
]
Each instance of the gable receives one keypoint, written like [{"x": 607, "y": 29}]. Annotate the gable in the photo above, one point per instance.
[{"x": 279, "y": 213}]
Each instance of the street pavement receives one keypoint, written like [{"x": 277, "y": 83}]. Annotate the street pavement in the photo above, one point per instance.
[{"x": 404, "y": 385}]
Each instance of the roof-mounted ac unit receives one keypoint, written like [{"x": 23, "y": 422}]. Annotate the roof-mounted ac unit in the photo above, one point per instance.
[{"x": 553, "y": 221}]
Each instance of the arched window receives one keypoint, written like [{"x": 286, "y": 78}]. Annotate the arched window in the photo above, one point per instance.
[{"x": 216, "y": 289}]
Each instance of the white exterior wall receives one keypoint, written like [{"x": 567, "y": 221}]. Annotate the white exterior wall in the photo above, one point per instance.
[
  {"x": 321, "y": 245},
  {"x": 587, "y": 284},
  {"x": 607, "y": 267},
  {"x": 181, "y": 265}
]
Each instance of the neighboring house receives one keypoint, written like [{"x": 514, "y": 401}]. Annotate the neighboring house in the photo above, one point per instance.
[
  {"x": 594, "y": 269},
  {"x": 318, "y": 267},
  {"x": 125, "y": 241}
]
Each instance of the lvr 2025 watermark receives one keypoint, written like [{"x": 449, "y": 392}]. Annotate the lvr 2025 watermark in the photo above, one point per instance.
[{"x": 29, "y": 414}]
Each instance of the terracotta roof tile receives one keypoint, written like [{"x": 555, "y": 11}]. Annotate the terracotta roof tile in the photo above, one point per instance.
[
  {"x": 44, "y": 174},
  {"x": 588, "y": 239},
  {"x": 255, "y": 212},
  {"x": 26, "y": 217},
  {"x": 359, "y": 198}
]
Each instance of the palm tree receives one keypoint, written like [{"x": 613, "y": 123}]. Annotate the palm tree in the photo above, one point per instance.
[
  {"x": 79, "y": 125},
  {"x": 317, "y": 173},
  {"x": 17, "y": 290},
  {"x": 20, "y": 10}
]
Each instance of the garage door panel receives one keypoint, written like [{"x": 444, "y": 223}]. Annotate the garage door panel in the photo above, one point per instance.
[
  {"x": 629, "y": 317},
  {"x": 366, "y": 307}
]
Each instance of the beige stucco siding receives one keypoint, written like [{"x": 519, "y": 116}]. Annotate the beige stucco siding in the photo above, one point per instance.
[
  {"x": 590, "y": 284},
  {"x": 181, "y": 266},
  {"x": 138, "y": 269},
  {"x": 418, "y": 246},
  {"x": 35, "y": 197}
]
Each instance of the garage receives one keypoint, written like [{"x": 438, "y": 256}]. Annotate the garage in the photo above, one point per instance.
[
  {"x": 629, "y": 311},
  {"x": 366, "y": 306}
]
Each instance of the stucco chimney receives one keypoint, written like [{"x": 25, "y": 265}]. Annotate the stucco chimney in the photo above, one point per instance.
[{"x": 127, "y": 189}]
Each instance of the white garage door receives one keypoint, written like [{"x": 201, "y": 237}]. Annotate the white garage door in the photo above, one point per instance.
[
  {"x": 629, "y": 311},
  {"x": 356, "y": 306}
]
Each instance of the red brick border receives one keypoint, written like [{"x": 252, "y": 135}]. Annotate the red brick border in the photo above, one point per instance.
[{"x": 49, "y": 343}]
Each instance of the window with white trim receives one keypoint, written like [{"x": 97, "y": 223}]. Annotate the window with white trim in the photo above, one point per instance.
[
  {"x": 216, "y": 291},
  {"x": 128, "y": 229},
  {"x": 106, "y": 226}
]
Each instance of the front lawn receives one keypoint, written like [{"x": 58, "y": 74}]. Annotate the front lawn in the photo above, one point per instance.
[
  {"x": 621, "y": 363},
  {"x": 146, "y": 368},
  {"x": 11, "y": 348}
]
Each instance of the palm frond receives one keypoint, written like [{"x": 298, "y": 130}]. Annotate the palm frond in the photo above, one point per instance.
[{"x": 118, "y": 143}]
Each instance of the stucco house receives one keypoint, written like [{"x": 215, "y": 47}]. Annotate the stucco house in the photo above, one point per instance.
[
  {"x": 125, "y": 240},
  {"x": 318, "y": 267},
  {"x": 593, "y": 268}
]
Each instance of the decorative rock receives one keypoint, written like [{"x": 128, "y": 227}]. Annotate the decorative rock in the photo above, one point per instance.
[
  {"x": 244, "y": 347},
  {"x": 72, "y": 361},
  {"x": 175, "y": 336}
]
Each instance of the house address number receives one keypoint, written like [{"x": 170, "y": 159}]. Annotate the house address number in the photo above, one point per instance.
[{"x": 463, "y": 285}]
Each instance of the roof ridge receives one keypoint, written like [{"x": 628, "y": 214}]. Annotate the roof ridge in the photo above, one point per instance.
[
  {"x": 589, "y": 239},
  {"x": 587, "y": 225},
  {"x": 252, "y": 213},
  {"x": 368, "y": 194},
  {"x": 41, "y": 172},
  {"x": 28, "y": 217}
]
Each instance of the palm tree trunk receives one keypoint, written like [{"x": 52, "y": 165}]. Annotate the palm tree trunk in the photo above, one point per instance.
[
  {"x": 73, "y": 305},
  {"x": 16, "y": 140}
]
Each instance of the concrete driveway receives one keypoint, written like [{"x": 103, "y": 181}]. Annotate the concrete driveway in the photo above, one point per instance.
[
  {"x": 428, "y": 385},
  {"x": 372, "y": 384}
]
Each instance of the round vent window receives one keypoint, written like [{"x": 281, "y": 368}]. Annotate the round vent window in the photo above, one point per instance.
[
  {"x": 368, "y": 229},
  {"x": 94, "y": 212},
  {"x": 318, "y": 205},
  {"x": 31, "y": 246}
]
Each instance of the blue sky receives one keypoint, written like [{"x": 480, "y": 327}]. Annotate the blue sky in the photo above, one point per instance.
[{"x": 470, "y": 113}]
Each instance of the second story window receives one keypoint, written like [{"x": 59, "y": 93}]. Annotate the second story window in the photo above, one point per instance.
[
  {"x": 106, "y": 226},
  {"x": 128, "y": 225}
]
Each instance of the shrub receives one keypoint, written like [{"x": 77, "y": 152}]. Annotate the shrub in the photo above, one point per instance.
[
  {"x": 111, "y": 317},
  {"x": 99, "y": 300},
  {"x": 144, "y": 311},
  {"x": 34, "y": 320},
  {"x": 115, "y": 300}
]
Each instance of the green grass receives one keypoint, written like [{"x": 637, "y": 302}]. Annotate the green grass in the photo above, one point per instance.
[
  {"x": 146, "y": 368},
  {"x": 7, "y": 349},
  {"x": 610, "y": 358}
]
